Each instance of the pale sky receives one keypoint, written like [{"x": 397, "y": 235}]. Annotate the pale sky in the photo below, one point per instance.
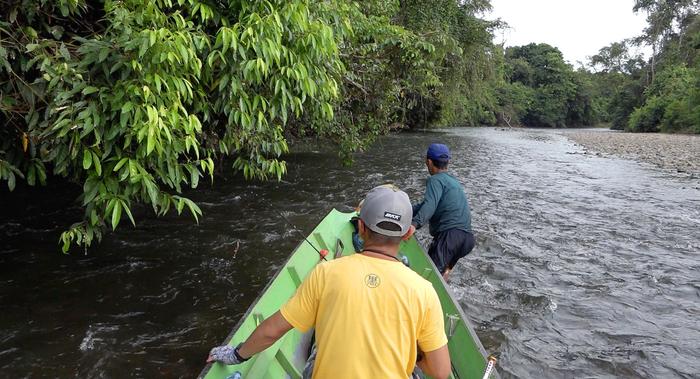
[{"x": 579, "y": 28}]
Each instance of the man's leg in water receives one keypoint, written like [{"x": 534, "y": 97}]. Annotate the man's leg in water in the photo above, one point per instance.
[
  {"x": 437, "y": 251},
  {"x": 466, "y": 246},
  {"x": 446, "y": 274}
]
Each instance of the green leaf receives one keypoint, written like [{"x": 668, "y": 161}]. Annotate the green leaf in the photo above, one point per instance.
[
  {"x": 128, "y": 106},
  {"x": 152, "y": 190},
  {"x": 31, "y": 175},
  {"x": 11, "y": 181},
  {"x": 65, "y": 238},
  {"x": 103, "y": 54},
  {"x": 90, "y": 190},
  {"x": 193, "y": 208},
  {"x": 128, "y": 213},
  {"x": 94, "y": 218},
  {"x": 143, "y": 47},
  {"x": 119, "y": 164},
  {"x": 116, "y": 214},
  {"x": 89, "y": 89},
  {"x": 13, "y": 15},
  {"x": 110, "y": 206},
  {"x": 151, "y": 141},
  {"x": 65, "y": 54},
  {"x": 87, "y": 159},
  {"x": 97, "y": 163},
  {"x": 41, "y": 172},
  {"x": 180, "y": 205},
  {"x": 194, "y": 176}
]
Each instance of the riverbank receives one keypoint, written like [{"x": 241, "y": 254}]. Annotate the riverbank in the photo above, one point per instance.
[{"x": 676, "y": 152}]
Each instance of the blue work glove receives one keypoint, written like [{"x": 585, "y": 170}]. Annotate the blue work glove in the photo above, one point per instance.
[{"x": 226, "y": 354}]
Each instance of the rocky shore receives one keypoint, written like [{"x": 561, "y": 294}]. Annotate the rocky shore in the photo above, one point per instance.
[{"x": 676, "y": 152}]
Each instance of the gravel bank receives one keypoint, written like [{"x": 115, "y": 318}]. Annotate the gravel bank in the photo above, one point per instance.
[{"x": 680, "y": 153}]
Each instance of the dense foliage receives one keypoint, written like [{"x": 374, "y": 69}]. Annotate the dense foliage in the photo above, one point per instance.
[
  {"x": 541, "y": 89},
  {"x": 663, "y": 92},
  {"x": 136, "y": 100}
]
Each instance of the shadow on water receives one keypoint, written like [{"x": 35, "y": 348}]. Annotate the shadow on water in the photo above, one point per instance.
[{"x": 585, "y": 266}]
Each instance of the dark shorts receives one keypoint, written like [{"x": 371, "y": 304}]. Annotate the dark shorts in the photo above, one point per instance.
[{"x": 449, "y": 246}]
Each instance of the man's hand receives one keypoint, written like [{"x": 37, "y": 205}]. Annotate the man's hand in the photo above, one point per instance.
[
  {"x": 224, "y": 354},
  {"x": 267, "y": 333}
]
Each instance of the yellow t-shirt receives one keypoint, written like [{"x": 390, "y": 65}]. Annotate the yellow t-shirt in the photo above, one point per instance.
[{"x": 370, "y": 315}]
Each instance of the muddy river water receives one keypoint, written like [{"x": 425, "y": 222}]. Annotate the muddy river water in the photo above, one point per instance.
[{"x": 585, "y": 265}]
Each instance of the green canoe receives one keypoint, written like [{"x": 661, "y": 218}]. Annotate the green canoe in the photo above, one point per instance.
[{"x": 286, "y": 358}]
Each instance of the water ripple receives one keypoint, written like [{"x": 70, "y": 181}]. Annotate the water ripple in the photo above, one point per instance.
[{"x": 585, "y": 265}]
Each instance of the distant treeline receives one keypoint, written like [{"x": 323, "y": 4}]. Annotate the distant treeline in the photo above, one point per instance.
[
  {"x": 137, "y": 99},
  {"x": 660, "y": 93}
]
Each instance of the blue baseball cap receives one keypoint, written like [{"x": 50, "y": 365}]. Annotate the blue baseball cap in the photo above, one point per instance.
[{"x": 438, "y": 152}]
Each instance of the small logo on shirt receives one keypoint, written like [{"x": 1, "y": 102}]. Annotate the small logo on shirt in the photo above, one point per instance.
[
  {"x": 372, "y": 281},
  {"x": 392, "y": 216}
]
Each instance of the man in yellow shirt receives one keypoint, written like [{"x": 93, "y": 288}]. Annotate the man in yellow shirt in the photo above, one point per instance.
[{"x": 372, "y": 314}]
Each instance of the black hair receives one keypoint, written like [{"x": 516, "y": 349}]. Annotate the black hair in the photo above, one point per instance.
[
  {"x": 382, "y": 239},
  {"x": 439, "y": 164}
]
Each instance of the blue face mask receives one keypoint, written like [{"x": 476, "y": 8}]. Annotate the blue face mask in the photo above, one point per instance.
[{"x": 357, "y": 242}]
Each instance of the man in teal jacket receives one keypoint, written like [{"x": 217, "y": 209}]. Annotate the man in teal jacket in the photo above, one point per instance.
[{"x": 446, "y": 209}]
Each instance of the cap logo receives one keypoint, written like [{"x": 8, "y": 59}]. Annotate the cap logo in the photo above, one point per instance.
[{"x": 392, "y": 216}]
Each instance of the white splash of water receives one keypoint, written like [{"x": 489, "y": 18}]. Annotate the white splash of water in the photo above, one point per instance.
[{"x": 88, "y": 342}]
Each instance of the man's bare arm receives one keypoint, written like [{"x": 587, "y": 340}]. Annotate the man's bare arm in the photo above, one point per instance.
[
  {"x": 436, "y": 363},
  {"x": 267, "y": 333}
]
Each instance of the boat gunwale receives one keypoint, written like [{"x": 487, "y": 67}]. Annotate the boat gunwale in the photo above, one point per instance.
[
  {"x": 248, "y": 312},
  {"x": 462, "y": 315}
]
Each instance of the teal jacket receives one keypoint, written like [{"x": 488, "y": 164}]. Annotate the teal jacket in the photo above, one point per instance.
[{"x": 445, "y": 205}]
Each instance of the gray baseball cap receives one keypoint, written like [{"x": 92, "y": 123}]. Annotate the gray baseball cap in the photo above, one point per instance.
[{"x": 387, "y": 204}]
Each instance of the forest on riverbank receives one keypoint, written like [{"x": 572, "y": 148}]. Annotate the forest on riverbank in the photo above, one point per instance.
[{"x": 137, "y": 100}]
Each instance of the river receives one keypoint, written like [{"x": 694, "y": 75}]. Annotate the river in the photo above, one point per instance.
[{"x": 585, "y": 265}]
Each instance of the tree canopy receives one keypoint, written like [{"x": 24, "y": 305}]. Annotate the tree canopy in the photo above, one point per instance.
[
  {"x": 663, "y": 92},
  {"x": 136, "y": 100},
  {"x": 541, "y": 89}
]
